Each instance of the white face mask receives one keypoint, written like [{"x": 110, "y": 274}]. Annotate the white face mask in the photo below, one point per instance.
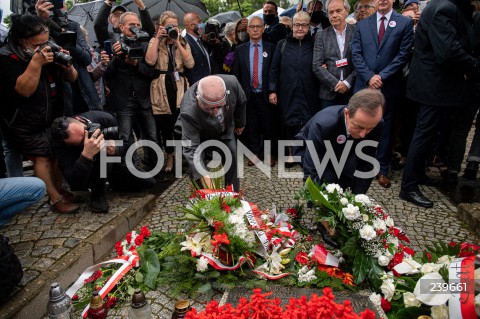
[{"x": 242, "y": 36}]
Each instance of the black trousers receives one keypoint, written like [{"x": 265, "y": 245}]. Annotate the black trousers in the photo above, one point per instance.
[{"x": 260, "y": 121}]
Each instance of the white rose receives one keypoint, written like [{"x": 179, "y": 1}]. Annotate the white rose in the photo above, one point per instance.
[
  {"x": 389, "y": 221},
  {"x": 383, "y": 261},
  {"x": 364, "y": 199},
  {"x": 379, "y": 224},
  {"x": 367, "y": 232},
  {"x": 430, "y": 267},
  {"x": 439, "y": 312},
  {"x": 410, "y": 301},
  {"x": 376, "y": 299},
  {"x": 344, "y": 201},
  {"x": 332, "y": 187},
  {"x": 351, "y": 212},
  {"x": 365, "y": 217},
  {"x": 445, "y": 259},
  {"x": 388, "y": 289}
]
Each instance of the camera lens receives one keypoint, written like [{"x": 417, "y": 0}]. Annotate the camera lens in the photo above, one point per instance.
[
  {"x": 212, "y": 36},
  {"x": 110, "y": 133},
  {"x": 172, "y": 34}
]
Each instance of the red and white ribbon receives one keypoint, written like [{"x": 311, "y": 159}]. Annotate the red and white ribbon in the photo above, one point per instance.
[
  {"x": 271, "y": 277},
  {"x": 128, "y": 262},
  {"x": 248, "y": 209},
  {"x": 218, "y": 265},
  {"x": 461, "y": 278},
  {"x": 324, "y": 257}
]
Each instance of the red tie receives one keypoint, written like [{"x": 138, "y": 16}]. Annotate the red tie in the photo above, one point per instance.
[
  {"x": 381, "y": 30},
  {"x": 255, "y": 67}
]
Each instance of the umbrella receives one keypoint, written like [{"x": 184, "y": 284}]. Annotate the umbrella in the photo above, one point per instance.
[
  {"x": 85, "y": 14},
  {"x": 225, "y": 17},
  {"x": 290, "y": 12},
  {"x": 259, "y": 13},
  {"x": 180, "y": 7}
]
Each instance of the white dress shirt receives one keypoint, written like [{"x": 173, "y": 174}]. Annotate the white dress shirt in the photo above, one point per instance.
[
  {"x": 341, "y": 46},
  {"x": 379, "y": 20}
]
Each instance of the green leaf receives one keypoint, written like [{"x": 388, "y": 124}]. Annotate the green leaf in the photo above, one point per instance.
[
  {"x": 150, "y": 267},
  {"x": 316, "y": 195},
  {"x": 412, "y": 312},
  {"x": 130, "y": 290},
  {"x": 139, "y": 277},
  {"x": 350, "y": 247},
  {"x": 361, "y": 266}
]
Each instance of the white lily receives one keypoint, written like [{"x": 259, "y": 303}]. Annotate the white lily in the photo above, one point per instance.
[
  {"x": 423, "y": 291},
  {"x": 194, "y": 243},
  {"x": 408, "y": 266},
  {"x": 274, "y": 263}
]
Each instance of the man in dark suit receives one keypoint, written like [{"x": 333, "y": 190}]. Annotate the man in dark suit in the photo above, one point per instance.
[
  {"x": 129, "y": 82},
  {"x": 250, "y": 67},
  {"x": 333, "y": 49},
  {"x": 381, "y": 47},
  {"x": 318, "y": 20},
  {"x": 274, "y": 30},
  {"x": 212, "y": 109},
  {"x": 343, "y": 128},
  {"x": 204, "y": 64},
  {"x": 441, "y": 66}
]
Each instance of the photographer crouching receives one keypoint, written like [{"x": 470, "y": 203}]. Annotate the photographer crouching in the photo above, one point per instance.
[
  {"x": 77, "y": 142},
  {"x": 129, "y": 77}
]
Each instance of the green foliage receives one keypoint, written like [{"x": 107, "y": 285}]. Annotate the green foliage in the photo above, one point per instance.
[
  {"x": 8, "y": 20},
  {"x": 361, "y": 266},
  {"x": 150, "y": 267}
]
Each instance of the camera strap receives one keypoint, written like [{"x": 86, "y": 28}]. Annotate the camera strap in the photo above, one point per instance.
[{"x": 82, "y": 119}]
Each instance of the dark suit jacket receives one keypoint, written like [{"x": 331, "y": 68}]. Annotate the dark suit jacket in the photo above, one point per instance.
[
  {"x": 388, "y": 58},
  {"x": 121, "y": 77},
  {"x": 329, "y": 125},
  {"x": 444, "y": 41},
  {"x": 326, "y": 51},
  {"x": 200, "y": 69},
  {"x": 198, "y": 126},
  {"x": 241, "y": 66},
  {"x": 275, "y": 32}
]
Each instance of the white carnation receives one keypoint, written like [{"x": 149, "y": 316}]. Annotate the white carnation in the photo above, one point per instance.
[
  {"x": 379, "y": 224},
  {"x": 410, "y": 301},
  {"x": 235, "y": 219},
  {"x": 376, "y": 299},
  {"x": 383, "y": 261},
  {"x": 343, "y": 201},
  {"x": 364, "y": 199},
  {"x": 439, "y": 312},
  {"x": 202, "y": 264},
  {"x": 306, "y": 275},
  {"x": 351, "y": 212},
  {"x": 332, "y": 187},
  {"x": 389, "y": 222},
  {"x": 365, "y": 218},
  {"x": 367, "y": 232}
]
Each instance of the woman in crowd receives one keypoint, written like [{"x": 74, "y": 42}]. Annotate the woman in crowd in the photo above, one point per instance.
[
  {"x": 171, "y": 54},
  {"x": 241, "y": 35},
  {"x": 32, "y": 83},
  {"x": 293, "y": 84}
]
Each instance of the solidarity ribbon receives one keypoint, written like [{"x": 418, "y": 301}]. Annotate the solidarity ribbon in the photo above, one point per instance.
[
  {"x": 128, "y": 262},
  {"x": 218, "y": 265},
  {"x": 462, "y": 300},
  {"x": 271, "y": 277}
]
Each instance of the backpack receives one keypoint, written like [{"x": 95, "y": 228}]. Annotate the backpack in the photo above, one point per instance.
[{"x": 11, "y": 271}]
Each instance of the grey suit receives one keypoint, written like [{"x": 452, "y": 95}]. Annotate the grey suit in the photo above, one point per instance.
[
  {"x": 198, "y": 126},
  {"x": 326, "y": 51}
]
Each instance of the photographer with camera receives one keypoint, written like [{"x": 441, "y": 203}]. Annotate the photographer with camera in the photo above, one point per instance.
[
  {"x": 32, "y": 71},
  {"x": 128, "y": 76},
  {"x": 82, "y": 95},
  {"x": 170, "y": 53},
  {"x": 77, "y": 142},
  {"x": 217, "y": 46}
]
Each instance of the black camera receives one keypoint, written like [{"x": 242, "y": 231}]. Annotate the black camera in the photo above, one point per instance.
[
  {"x": 59, "y": 30},
  {"x": 109, "y": 133},
  {"x": 132, "y": 46},
  {"x": 171, "y": 32},
  {"x": 58, "y": 56},
  {"x": 212, "y": 29}
]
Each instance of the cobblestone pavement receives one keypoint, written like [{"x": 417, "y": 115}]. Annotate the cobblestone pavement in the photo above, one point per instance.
[{"x": 423, "y": 226}]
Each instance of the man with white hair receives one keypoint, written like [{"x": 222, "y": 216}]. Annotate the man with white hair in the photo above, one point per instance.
[{"x": 212, "y": 109}]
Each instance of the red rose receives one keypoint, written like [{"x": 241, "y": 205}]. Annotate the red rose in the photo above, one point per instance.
[
  {"x": 145, "y": 232},
  {"x": 386, "y": 305},
  {"x": 302, "y": 258},
  {"x": 75, "y": 297},
  {"x": 293, "y": 212}
]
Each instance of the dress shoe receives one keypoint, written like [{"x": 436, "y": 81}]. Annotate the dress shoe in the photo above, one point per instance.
[
  {"x": 470, "y": 171},
  {"x": 417, "y": 198},
  {"x": 326, "y": 236},
  {"x": 98, "y": 202},
  {"x": 450, "y": 177},
  {"x": 64, "y": 206},
  {"x": 383, "y": 181},
  {"x": 71, "y": 196}
]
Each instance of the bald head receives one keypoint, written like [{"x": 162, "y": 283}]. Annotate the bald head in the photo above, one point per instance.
[
  {"x": 211, "y": 92},
  {"x": 190, "y": 21}
]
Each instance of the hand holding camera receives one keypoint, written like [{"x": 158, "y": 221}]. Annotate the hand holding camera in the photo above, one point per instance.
[
  {"x": 92, "y": 143},
  {"x": 43, "y": 55}
]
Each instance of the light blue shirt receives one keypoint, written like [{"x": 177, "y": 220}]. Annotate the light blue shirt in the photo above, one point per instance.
[{"x": 260, "y": 64}]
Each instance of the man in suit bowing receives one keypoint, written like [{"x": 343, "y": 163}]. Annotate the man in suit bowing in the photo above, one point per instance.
[
  {"x": 381, "y": 47},
  {"x": 251, "y": 65},
  {"x": 333, "y": 49}
]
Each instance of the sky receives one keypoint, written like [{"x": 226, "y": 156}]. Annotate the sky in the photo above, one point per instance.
[{"x": 5, "y": 5}]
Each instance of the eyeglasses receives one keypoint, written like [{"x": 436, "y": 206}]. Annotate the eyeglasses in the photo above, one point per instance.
[
  {"x": 301, "y": 25},
  {"x": 255, "y": 26},
  {"x": 365, "y": 6},
  {"x": 213, "y": 108}
]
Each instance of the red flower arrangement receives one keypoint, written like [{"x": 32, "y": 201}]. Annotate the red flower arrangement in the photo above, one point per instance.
[{"x": 260, "y": 307}]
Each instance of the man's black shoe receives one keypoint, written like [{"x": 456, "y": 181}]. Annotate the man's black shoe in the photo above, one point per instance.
[
  {"x": 98, "y": 203},
  {"x": 450, "y": 177},
  {"x": 470, "y": 171},
  {"x": 417, "y": 198},
  {"x": 326, "y": 236}
]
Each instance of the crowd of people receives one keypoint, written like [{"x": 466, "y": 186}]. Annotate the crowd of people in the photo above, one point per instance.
[{"x": 409, "y": 78}]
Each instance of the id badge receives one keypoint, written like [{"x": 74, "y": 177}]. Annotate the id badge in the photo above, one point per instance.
[
  {"x": 176, "y": 76},
  {"x": 342, "y": 62}
]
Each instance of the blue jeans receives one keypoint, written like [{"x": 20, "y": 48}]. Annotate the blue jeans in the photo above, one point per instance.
[{"x": 18, "y": 193}]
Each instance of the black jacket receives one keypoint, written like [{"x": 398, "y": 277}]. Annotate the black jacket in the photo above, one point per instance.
[
  {"x": 275, "y": 32},
  {"x": 200, "y": 69},
  {"x": 241, "y": 66},
  {"x": 292, "y": 78},
  {"x": 443, "y": 54},
  {"x": 329, "y": 125},
  {"x": 122, "y": 78}
]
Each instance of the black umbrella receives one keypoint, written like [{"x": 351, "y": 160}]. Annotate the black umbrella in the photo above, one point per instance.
[
  {"x": 225, "y": 17},
  {"x": 85, "y": 14},
  {"x": 180, "y": 7}
]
